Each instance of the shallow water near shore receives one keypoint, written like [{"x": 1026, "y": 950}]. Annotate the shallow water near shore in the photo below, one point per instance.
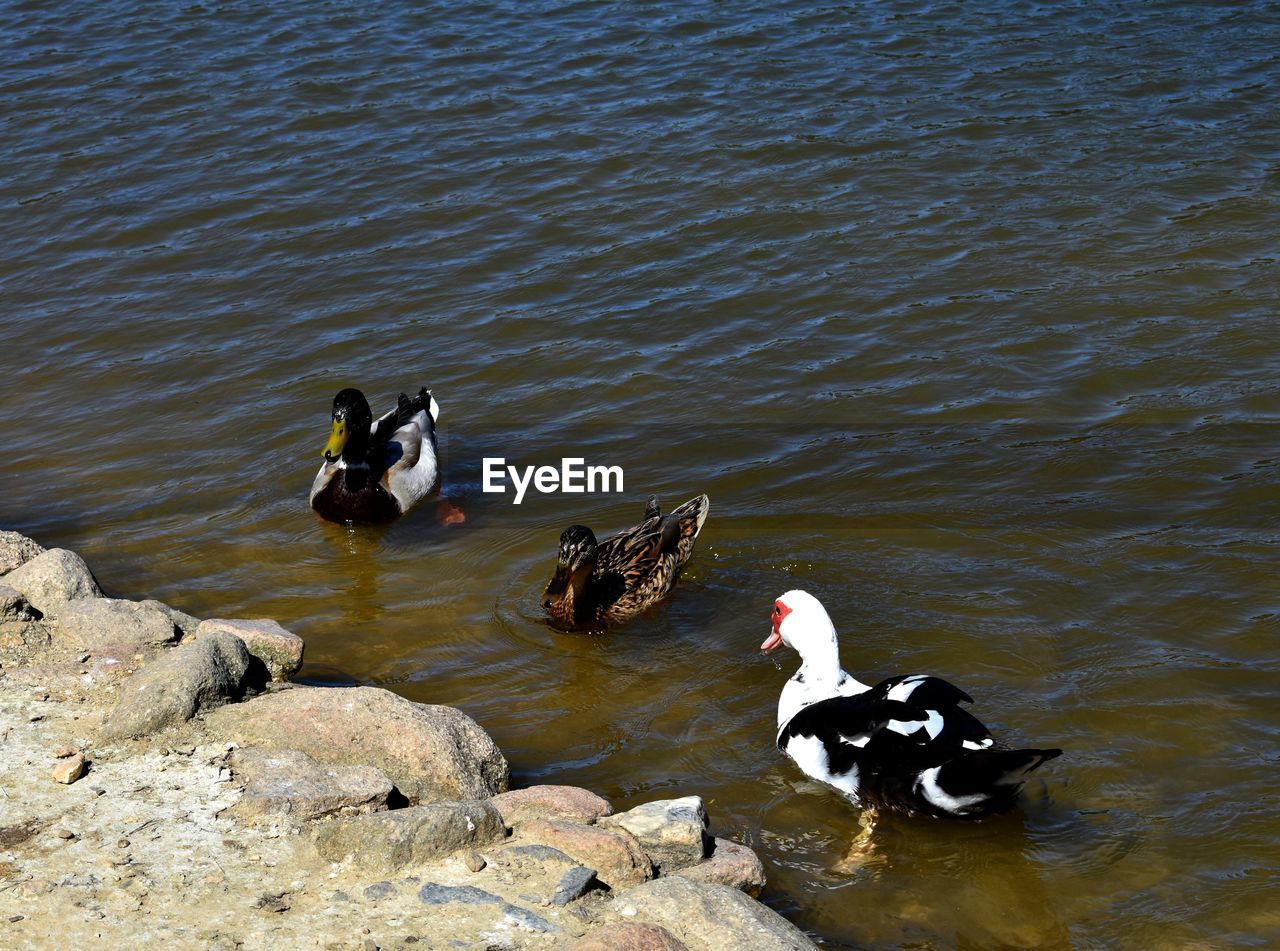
[{"x": 965, "y": 320}]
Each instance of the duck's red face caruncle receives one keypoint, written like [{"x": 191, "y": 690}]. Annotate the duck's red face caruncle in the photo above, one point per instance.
[{"x": 774, "y": 640}]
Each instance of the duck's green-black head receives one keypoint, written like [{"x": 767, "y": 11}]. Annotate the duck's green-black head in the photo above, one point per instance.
[
  {"x": 577, "y": 558},
  {"x": 352, "y": 420}
]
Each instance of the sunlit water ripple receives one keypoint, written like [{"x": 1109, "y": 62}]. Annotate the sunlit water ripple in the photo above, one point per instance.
[{"x": 965, "y": 319}]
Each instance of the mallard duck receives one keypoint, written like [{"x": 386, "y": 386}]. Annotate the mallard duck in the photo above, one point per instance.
[
  {"x": 373, "y": 470},
  {"x": 903, "y": 745},
  {"x": 602, "y": 583}
]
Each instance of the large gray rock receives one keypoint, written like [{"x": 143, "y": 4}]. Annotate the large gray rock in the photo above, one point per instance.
[
  {"x": 183, "y": 621},
  {"x": 711, "y": 917},
  {"x": 430, "y": 752},
  {"x": 16, "y": 550},
  {"x": 53, "y": 578},
  {"x": 672, "y": 831},
  {"x": 175, "y": 687},
  {"x": 290, "y": 783},
  {"x": 552, "y": 802},
  {"x": 91, "y": 623},
  {"x": 729, "y": 864},
  {"x": 383, "y": 842},
  {"x": 280, "y": 650}
]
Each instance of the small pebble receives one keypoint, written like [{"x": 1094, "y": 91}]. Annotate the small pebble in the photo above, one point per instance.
[
  {"x": 13, "y": 918},
  {"x": 41, "y": 695},
  {"x": 97, "y": 790},
  {"x": 122, "y": 844},
  {"x": 35, "y": 718},
  {"x": 65, "y": 834},
  {"x": 475, "y": 861},
  {"x": 84, "y": 658},
  {"x": 62, "y": 752}
]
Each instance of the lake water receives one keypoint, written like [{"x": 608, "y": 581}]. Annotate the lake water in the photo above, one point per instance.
[{"x": 964, "y": 316}]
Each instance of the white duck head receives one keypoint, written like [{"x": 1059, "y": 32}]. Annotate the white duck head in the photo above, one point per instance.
[{"x": 801, "y": 622}]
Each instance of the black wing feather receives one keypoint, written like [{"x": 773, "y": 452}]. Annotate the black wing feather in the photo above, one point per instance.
[{"x": 931, "y": 692}]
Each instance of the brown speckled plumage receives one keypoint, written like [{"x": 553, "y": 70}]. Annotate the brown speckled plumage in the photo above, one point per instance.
[{"x": 605, "y": 583}]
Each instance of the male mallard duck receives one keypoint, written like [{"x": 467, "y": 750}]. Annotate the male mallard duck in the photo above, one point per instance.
[
  {"x": 904, "y": 744},
  {"x": 600, "y": 583},
  {"x": 375, "y": 471}
]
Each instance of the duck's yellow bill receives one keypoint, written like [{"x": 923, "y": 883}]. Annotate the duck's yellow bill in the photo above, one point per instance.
[{"x": 337, "y": 440}]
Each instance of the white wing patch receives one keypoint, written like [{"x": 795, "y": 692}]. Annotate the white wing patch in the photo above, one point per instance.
[
  {"x": 904, "y": 690},
  {"x": 974, "y": 745},
  {"x": 810, "y": 754},
  {"x": 905, "y": 727},
  {"x": 928, "y": 785},
  {"x": 858, "y": 739},
  {"x": 932, "y": 725}
]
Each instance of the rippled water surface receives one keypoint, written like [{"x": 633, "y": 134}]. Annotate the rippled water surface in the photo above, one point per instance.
[{"x": 964, "y": 316}]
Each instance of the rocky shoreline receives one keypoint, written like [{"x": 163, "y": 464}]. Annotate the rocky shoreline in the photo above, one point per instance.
[{"x": 161, "y": 781}]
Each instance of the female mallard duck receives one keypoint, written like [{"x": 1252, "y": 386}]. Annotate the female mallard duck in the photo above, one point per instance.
[
  {"x": 376, "y": 471},
  {"x": 600, "y": 583}
]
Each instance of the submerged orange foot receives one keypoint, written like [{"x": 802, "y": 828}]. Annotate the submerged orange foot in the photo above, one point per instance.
[
  {"x": 449, "y": 514},
  {"x": 861, "y": 849}
]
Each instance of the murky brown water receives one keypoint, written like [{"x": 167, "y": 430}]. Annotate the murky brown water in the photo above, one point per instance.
[{"x": 965, "y": 319}]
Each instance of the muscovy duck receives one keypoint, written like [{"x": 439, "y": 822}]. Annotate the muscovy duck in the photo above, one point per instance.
[{"x": 903, "y": 745}]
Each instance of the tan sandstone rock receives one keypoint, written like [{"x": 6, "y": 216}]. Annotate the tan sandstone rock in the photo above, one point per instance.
[
  {"x": 70, "y": 769},
  {"x": 552, "y": 802},
  {"x": 53, "y": 578},
  {"x": 672, "y": 832},
  {"x": 430, "y": 752},
  {"x": 383, "y": 842},
  {"x": 291, "y": 783},
  {"x": 279, "y": 649},
  {"x": 92, "y": 623},
  {"x": 629, "y": 936},
  {"x": 711, "y": 917},
  {"x": 16, "y": 550},
  {"x": 182, "y": 682},
  {"x": 614, "y": 854},
  {"x": 729, "y": 864}
]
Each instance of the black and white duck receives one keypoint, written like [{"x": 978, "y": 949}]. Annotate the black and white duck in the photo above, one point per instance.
[
  {"x": 376, "y": 470},
  {"x": 904, "y": 745},
  {"x": 597, "y": 584}
]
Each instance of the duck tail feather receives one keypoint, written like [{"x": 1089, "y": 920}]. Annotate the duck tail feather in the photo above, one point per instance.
[
  {"x": 696, "y": 509},
  {"x": 424, "y": 400},
  {"x": 982, "y": 771}
]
